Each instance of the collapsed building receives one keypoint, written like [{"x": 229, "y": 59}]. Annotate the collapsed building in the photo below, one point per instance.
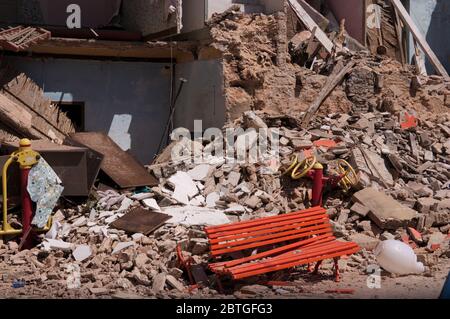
[{"x": 252, "y": 64}]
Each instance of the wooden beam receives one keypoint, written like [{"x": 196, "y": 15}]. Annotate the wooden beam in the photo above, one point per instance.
[
  {"x": 182, "y": 52},
  {"x": 332, "y": 82},
  {"x": 309, "y": 23},
  {"x": 16, "y": 117},
  {"x": 419, "y": 38},
  {"x": 399, "y": 31}
]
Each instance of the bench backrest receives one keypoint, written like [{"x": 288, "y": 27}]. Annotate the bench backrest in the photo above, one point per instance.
[{"x": 265, "y": 231}]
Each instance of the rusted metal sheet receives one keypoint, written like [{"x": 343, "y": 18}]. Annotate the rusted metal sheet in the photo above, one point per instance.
[
  {"x": 93, "y": 161},
  {"x": 140, "y": 220},
  {"x": 120, "y": 166},
  {"x": 69, "y": 163},
  {"x": 21, "y": 38}
]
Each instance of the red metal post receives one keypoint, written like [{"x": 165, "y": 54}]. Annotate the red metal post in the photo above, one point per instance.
[
  {"x": 27, "y": 208},
  {"x": 317, "y": 190}
]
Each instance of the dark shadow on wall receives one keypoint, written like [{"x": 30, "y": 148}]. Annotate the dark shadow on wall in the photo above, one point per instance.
[
  {"x": 30, "y": 12},
  {"x": 438, "y": 34}
]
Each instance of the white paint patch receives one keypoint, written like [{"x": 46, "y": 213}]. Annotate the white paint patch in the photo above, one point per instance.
[{"x": 118, "y": 130}]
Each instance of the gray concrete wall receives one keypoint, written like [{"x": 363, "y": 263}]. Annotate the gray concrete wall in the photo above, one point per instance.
[
  {"x": 8, "y": 11},
  {"x": 432, "y": 17},
  {"x": 194, "y": 15},
  {"x": 151, "y": 16},
  {"x": 94, "y": 14},
  {"x": 273, "y": 6},
  {"x": 116, "y": 95},
  {"x": 353, "y": 12},
  {"x": 196, "y": 12},
  {"x": 203, "y": 96}
]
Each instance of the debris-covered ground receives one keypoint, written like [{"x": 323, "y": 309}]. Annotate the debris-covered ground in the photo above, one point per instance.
[
  {"x": 113, "y": 263},
  {"x": 392, "y": 126}
]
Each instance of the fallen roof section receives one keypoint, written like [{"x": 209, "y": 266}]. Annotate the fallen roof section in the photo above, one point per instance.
[{"x": 21, "y": 38}]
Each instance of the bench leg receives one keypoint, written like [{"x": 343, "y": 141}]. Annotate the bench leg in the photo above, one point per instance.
[
  {"x": 219, "y": 284},
  {"x": 336, "y": 269},
  {"x": 316, "y": 268}
]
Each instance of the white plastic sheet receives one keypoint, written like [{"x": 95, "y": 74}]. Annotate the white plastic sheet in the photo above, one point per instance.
[{"x": 45, "y": 188}]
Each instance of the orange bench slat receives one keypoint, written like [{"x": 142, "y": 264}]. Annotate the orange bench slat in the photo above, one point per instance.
[
  {"x": 268, "y": 229},
  {"x": 261, "y": 221},
  {"x": 271, "y": 241},
  {"x": 319, "y": 216},
  {"x": 299, "y": 262},
  {"x": 303, "y": 243}
]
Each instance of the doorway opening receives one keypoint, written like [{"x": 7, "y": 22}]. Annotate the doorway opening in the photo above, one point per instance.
[{"x": 76, "y": 112}]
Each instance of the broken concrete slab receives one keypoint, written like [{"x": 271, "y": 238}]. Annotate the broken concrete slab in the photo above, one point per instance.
[
  {"x": 251, "y": 120},
  {"x": 200, "y": 172},
  {"x": 159, "y": 282},
  {"x": 426, "y": 204},
  {"x": 359, "y": 209},
  {"x": 152, "y": 204},
  {"x": 233, "y": 178},
  {"x": 191, "y": 215},
  {"x": 211, "y": 199},
  {"x": 174, "y": 283},
  {"x": 420, "y": 189},
  {"x": 82, "y": 252},
  {"x": 185, "y": 187},
  {"x": 364, "y": 241},
  {"x": 121, "y": 246},
  {"x": 386, "y": 212},
  {"x": 50, "y": 244}
]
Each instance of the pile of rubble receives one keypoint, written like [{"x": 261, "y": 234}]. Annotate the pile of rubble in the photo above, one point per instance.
[
  {"x": 404, "y": 195},
  {"x": 260, "y": 74},
  {"x": 379, "y": 119}
]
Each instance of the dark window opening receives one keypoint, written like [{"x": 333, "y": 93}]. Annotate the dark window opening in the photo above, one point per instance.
[{"x": 75, "y": 112}]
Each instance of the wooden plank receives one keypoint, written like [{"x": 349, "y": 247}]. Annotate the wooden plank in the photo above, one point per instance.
[
  {"x": 399, "y": 31},
  {"x": 16, "y": 117},
  {"x": 309, "y": 23},
  {"x": 332, "y": 82},
  {"x": 141, "y": 221},
  {"x": 181, "y": 51},
  {"x": 321, "y": 21},
  {"x": 419, "y": 38},
  {"x": 120, "y": 166}
]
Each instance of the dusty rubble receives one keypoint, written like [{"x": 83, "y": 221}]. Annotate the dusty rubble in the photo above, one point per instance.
[
  {"x": 260, "y": 74},
  {"x": 112, "y": 261},
  {"x": 402, "y": 163}
]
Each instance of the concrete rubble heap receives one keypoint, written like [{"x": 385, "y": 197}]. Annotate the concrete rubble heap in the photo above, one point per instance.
[
  {"x": 112, "y": 261},
  {"x": 403, "y": 191}
]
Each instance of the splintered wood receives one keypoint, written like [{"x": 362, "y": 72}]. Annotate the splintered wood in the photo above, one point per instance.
[
  {"x": 48, "y": 121},
  {"x": 306, "y": 19},
  {"x": 419, "y": 37},
  {"x": 21, "y": 38},
  {"x": 332, "y": 82}
]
